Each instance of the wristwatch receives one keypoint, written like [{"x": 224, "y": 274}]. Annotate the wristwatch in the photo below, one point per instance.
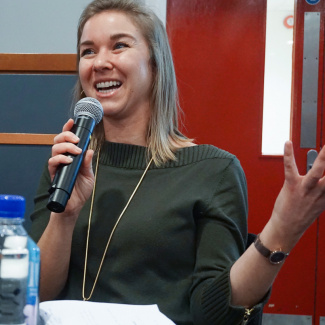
[{"x": 275, "y": 257}]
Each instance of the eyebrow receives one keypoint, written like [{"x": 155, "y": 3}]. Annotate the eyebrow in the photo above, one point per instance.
[
  {"x": 112, "y": 37},
  {"x": 121, "y": 35}
]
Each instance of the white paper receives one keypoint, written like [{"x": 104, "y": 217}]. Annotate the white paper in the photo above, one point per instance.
[{"x": 73, "y": 312}]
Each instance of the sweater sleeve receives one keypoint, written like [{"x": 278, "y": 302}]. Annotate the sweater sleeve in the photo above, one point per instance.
[
  {"x": 222, "y": 237},
  {"x": 41, "y": 215}
]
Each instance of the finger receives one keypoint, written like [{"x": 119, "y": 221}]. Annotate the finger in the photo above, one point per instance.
[
  {"x": 317, "y": 171},
  {"x": 65, "y": 148},
  {"x": 290, "y": 167},
  {"x": 56, "y": 161},
  {"x": 66, "y": 136},
  {"x": 68, "y": 126}
]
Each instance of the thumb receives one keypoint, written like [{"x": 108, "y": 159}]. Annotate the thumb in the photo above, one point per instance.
[{"x": 88, "y": 160}]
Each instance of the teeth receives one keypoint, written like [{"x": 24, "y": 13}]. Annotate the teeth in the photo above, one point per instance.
[{"x": 108, "y": 84}]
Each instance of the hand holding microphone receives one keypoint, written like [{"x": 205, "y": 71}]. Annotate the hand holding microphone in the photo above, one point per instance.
[{"x": 88, "y": 112}]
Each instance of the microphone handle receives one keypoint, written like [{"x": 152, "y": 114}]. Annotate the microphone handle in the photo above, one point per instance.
[{"x": 66, "y": 175}]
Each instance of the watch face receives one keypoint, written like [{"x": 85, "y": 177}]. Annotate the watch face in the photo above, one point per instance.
[{"x": 277, "y": 257}]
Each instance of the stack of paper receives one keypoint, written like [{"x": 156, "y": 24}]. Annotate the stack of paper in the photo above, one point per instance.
[{"x": 72, "y": 312}]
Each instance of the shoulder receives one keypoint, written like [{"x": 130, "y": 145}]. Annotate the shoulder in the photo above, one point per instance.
[
  {"x": 205, "y": 161},
  {"x": 211, "y": 160},
  {"x": 204, "y": 152}
]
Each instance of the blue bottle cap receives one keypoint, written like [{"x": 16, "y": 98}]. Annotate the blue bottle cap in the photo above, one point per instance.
[{"x": 12, "y": 206}]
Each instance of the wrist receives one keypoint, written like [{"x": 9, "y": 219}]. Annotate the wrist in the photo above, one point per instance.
[
  {"x": 277, "y": 235},
  {"x": 64, "y": 219},
  {"x": 274, "y": 256}
]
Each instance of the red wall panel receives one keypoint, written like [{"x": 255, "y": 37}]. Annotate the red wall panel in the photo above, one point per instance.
[{"x": 218, "y": 49}]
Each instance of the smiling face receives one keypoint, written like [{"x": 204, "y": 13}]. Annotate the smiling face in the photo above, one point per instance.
[{"x": 114, "y": 66}]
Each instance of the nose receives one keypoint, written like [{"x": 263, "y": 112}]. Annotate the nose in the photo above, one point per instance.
[{"x": 103, "y": 61}]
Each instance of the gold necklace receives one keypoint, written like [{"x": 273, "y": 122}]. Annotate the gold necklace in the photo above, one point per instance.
[{"x": 112, "y": 232}]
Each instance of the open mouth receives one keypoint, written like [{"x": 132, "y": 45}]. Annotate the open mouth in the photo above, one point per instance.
[{"x": 108, "y": 86}]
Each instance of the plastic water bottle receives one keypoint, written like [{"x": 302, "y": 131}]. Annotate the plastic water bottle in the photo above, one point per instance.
[
  {"x": 31, "y": 310},
  {"x": 14, "y": 260}
]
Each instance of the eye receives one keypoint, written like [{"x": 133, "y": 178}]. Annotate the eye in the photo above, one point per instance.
[
  {"x": 86, "y": 52},
  {"x": 120, "y": 45}
]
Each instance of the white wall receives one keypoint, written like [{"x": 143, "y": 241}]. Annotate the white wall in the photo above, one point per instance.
[
  {"x": 159, "y": 7},
  {"x": 43, "y": 26},
  {"x": 277, "y": 78}
]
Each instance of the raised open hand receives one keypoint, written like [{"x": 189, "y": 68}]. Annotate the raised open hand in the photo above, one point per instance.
[{"x": 301, "y": 199}]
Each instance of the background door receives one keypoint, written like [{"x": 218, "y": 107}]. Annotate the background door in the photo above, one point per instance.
[
  {"x": 302, "y": 21},
  {"x": 218, "y": 49}
]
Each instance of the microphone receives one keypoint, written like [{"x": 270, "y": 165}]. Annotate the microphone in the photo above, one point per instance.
[{"x": 87, "y": 113}]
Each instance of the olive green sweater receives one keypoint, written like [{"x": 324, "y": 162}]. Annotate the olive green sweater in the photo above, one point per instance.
[{"x": 176, "y": 242}]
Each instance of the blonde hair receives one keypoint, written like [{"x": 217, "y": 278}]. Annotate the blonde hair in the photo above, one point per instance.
[{"x": 163, "y": 135}]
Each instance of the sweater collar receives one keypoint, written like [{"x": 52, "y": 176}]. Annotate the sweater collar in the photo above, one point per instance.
[{"x": 135, "y": 157}]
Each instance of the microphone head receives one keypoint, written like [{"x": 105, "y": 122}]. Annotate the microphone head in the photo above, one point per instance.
[{"x": 91, "y": 107}]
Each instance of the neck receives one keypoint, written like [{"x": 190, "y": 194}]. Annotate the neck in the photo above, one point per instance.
[{"x": 127, "y": 132}]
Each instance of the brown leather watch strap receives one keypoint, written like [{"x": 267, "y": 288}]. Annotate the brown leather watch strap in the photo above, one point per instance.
[
  {"x": 275, "y": 257},
  {"x": 260, "y": 247}
]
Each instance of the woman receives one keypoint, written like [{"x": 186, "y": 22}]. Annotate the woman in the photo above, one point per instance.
[{"x": 163, "y": 220}]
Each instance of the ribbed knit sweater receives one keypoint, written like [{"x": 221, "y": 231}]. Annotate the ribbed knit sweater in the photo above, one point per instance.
[{"x": 176, "y": 242}]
